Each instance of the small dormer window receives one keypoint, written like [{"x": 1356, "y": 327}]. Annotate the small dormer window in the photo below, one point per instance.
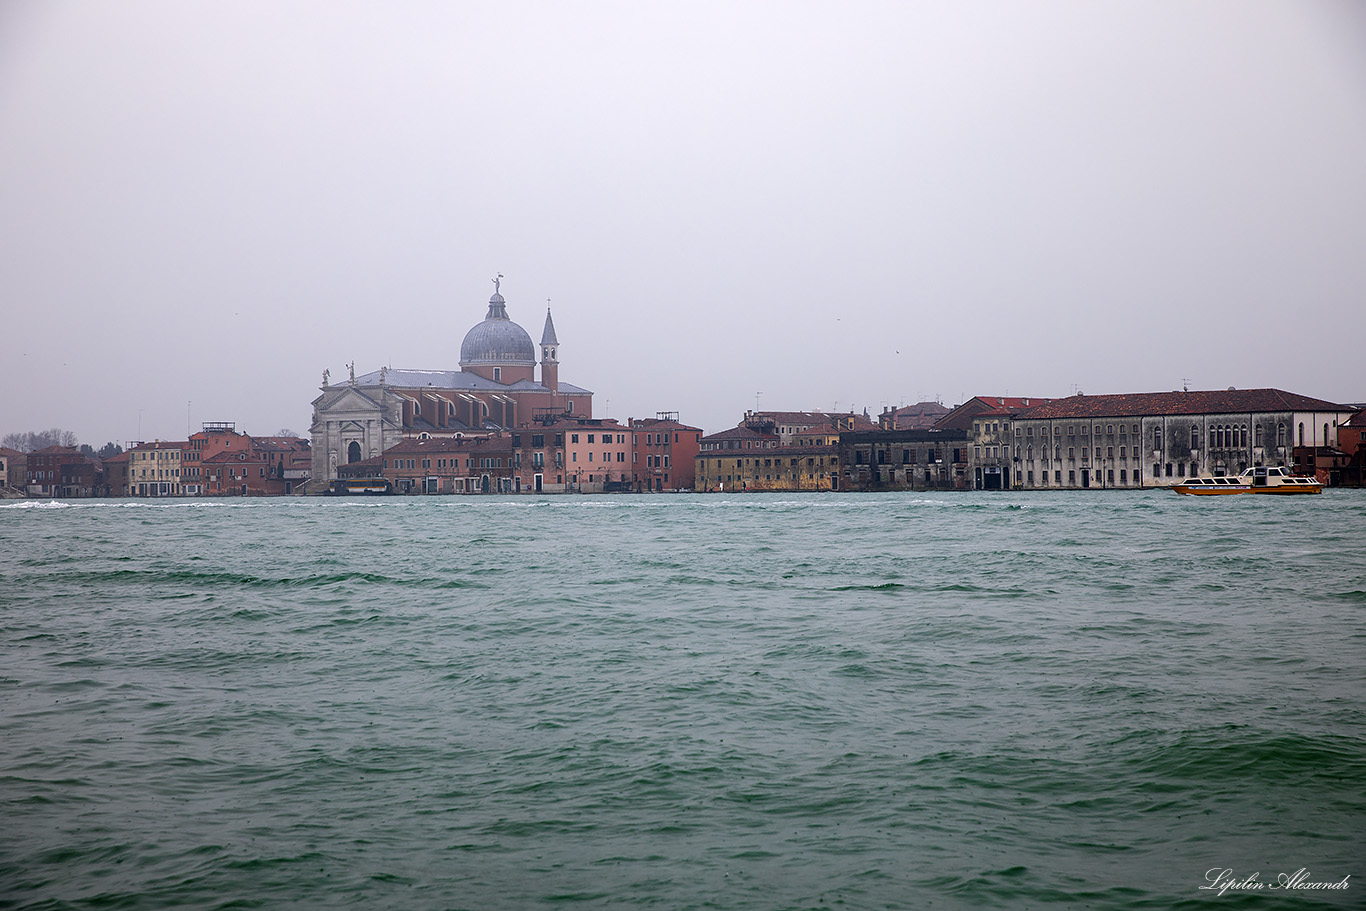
[{"x": 497, "y": 374}]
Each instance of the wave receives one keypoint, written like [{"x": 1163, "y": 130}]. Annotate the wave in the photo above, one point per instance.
[
  {"x": 1231, "y": 752},
  {"x": 247, "y": 580}
]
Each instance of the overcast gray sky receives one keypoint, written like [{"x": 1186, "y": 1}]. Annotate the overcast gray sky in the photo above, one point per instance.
[{"x": 832, "y": 204}]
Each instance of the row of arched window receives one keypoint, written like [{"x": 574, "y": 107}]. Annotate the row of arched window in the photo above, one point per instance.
[
  {"x": 1231, "y": 436},
  {"x": 1226, "y": 436}
]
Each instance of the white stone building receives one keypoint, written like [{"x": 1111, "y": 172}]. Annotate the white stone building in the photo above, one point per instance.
[{"x": 1156, "y": 439}]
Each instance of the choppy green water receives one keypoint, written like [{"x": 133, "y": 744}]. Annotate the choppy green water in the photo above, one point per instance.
[{"x": 741, "y": 702}]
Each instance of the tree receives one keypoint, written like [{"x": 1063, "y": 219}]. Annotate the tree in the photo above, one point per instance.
[
  {"x": 41, "y": 439},
  {"x": 285, "y": 432},
  {"x": 109, "y": 450}
]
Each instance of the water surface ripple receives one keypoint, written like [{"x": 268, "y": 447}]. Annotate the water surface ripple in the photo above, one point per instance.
[{"x": 1069, "y": 700}]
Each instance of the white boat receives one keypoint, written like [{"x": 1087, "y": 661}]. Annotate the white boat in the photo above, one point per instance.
[{"x": 1253, "y": 480}]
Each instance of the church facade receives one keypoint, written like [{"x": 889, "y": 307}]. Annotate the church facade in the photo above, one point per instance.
[{"x": 494, "y": 390}]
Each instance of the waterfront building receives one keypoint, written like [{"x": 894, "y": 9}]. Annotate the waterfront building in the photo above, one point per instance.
[
  {"x": 13, "y": 468},
  {"x": 986, "y": 421},
  {"x": 220, "y": 461},
  {"x": 807, "y": 456},
  {"x": 214, "y": 437},
  {"x": 116, "y": 474},
  {"x": 556, "y": 453},
  {"x": 289, "y": 461},
  {"x": 494, "y": 390},
  {"x": 597, "y": 453},
  {"x": 60, "y": 471},
  {"x": 768, "y": 468},
  {"x": 1352, "y": 441},
  {"x": 664, "y": 452},
  {"x": 1156, "y": 439},
  {"x": 233, "y": 473},
  {"x": 904, "y": 459},
  {"x": 154, "y": 469},
  {"x": 445, "y": 465},
  {"x": 82, "y": 477}
]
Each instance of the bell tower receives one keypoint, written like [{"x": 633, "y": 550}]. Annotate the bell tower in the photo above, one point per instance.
[{"x": 550, "y": 357}]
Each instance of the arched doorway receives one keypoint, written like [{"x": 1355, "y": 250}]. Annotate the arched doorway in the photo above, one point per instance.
[{"x": 353, "y": 452}]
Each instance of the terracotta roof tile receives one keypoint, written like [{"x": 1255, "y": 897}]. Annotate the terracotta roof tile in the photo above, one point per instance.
[{"x": 1139, "y": 404}]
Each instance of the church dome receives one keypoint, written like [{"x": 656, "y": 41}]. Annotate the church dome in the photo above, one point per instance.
[{"x": 497, "y": 341}]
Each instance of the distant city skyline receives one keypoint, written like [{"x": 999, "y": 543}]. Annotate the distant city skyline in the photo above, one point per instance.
[{"x": 788, "y": 206}]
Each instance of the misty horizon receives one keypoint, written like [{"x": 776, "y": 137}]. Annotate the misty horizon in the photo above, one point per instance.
[{"x": 727, "y": 207}]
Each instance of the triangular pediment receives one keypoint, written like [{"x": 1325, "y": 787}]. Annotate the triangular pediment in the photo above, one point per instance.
[{"x": 351, "y": 399}]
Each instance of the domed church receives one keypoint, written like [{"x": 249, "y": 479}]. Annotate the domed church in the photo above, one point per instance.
[{"x": 495, "y": 389}]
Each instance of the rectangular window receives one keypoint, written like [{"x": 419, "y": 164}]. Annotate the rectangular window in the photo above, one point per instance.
[
  {"x": 590, "y": 438},
  {"x": 590, "y": 456},
  {"x": 573, "y": 438},
  {"x": 1072, "y": 453}
]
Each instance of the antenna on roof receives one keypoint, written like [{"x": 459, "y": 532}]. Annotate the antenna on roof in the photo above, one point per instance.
[{"x": 1185, "y": 384}]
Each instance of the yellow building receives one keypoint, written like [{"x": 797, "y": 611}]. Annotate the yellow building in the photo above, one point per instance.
[{"x": 154, "y": 469}]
